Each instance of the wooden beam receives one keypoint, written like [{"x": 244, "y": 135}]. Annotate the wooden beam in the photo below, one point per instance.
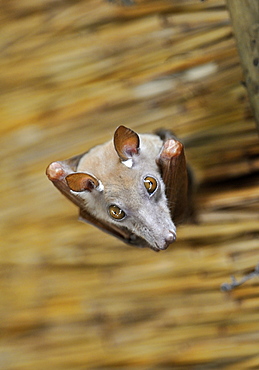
[{"x": 245, "y": 20}]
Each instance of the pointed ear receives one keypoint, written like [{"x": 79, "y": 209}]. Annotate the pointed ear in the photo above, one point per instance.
[
  {"x": 80, "y": 181},
  {"x": 126, "y": 142}
]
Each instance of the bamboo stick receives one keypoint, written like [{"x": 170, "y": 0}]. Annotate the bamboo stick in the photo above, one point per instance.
[{"x": 244, "y": 17}]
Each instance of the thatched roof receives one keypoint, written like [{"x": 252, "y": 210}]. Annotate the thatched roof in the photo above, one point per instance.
[{"x": 71, "y": 296}]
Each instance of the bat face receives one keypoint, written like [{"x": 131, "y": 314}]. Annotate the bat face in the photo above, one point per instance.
[{"x": 121, "y": 187}]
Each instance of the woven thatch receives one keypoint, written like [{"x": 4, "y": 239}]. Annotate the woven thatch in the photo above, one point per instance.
[{"x": 71, "y": 296}]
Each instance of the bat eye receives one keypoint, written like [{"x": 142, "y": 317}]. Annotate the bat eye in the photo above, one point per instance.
[
  {"x": 150, "y": 184},
  {"x": 116, "y": 212}
]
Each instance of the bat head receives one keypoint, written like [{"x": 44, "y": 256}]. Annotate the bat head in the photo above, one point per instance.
[{"x": 119, "y": 185}]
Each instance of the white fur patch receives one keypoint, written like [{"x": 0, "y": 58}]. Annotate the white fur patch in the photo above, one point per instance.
[
  {"x": 128, "y": 163},
  {"x": 100, "y": 187}
]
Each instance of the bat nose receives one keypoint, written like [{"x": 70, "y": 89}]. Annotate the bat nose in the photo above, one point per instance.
[{"x": 170, "y": 238}]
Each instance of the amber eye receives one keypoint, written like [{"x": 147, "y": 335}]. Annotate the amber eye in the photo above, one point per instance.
[
  {"x": 116, "y": 213},
  {"x": 150, "y": 184}
]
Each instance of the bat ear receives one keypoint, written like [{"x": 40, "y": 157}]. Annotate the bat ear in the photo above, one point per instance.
[
  {"x": 80, "y": 181},
  {"x": 126, "y": 142}
]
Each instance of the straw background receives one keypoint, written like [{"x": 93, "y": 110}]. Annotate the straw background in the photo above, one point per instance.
[{"x": 72, "y": 297}]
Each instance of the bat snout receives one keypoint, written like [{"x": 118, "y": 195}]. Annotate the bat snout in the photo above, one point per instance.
[{"x": 169, "y": 239}]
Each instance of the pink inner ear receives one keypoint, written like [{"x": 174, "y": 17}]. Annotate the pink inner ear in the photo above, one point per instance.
[
  {"x": 126, "y": 142},
  {"x": 129, "y": 148},
  {"x": 81, "y": 182}
]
